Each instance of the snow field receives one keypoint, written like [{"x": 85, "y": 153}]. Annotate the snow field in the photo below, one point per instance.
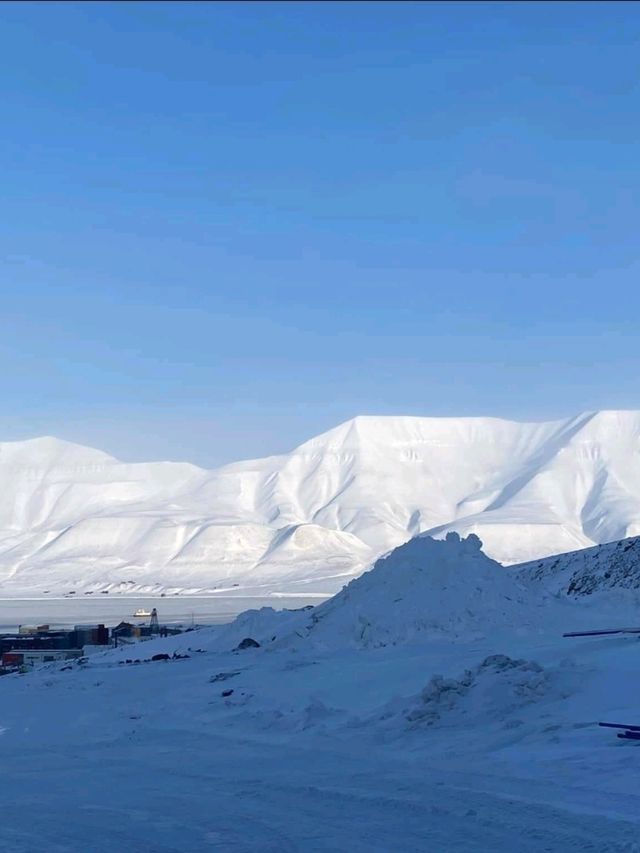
[{"x": 415, "y": 736}]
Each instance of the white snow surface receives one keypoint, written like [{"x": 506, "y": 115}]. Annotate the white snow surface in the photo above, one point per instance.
[
  {"x": 419, "y": 736},
  {"x": 73, "y": 518}
]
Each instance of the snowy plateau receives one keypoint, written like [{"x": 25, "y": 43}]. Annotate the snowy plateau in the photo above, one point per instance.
[
  {"x": 431, "y": 706},
  {"x": 73, "y": 518}
]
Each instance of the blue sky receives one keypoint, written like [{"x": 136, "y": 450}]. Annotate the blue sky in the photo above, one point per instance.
[{"x": 228, "y": 227}]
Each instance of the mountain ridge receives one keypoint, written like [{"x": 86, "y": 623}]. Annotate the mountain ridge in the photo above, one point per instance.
[{"x": 74, "y": 517}]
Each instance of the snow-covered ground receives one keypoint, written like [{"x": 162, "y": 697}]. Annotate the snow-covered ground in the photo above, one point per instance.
[
  {"x": 432, "y": 706},
  {"x": 73, "y": 518}
]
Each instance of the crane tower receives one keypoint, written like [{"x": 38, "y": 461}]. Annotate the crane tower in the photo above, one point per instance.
[{"x": 153, "y": 623}]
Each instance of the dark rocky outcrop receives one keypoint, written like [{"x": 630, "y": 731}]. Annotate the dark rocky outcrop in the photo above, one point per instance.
[{"x": 248, "y": 643}]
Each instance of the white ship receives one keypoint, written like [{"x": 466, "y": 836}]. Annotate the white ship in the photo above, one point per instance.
[{"x": 141, "y": 613}]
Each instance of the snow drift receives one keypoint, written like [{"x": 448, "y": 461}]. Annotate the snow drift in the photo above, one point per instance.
[{"x": 306, "y": 521}]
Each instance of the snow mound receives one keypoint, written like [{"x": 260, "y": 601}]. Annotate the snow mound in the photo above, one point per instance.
[
  {"x": 615, "y": 566},
  {"x": 491, "y": 695},
  {"x": 265, "y": 626},
  {"x": 497, "y": 686},
  {"x": 441, "y": 588}
]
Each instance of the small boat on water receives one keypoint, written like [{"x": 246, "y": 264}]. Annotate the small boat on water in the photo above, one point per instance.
[{"x": 141, "y": 613}]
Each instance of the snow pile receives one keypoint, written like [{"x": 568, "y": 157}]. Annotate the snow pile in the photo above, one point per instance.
[
  {"x": 493, "y": 696},
  {"x": 497, "y": 687},
  {"x": 265, "y": 626},
  {"x": 578, "y": 573},
  {"x": 427, "y": 587}
]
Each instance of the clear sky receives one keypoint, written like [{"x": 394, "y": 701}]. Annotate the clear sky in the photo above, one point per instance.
[{"x": 228, "y": 227}]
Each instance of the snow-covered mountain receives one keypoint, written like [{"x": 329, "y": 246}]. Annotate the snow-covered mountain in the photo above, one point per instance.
[{"x": 75, "y": 518}]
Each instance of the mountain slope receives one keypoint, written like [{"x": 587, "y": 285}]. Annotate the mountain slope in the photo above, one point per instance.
[
  {"x": 615, "y": 565},
  {"x": 76, "y": 518}
]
